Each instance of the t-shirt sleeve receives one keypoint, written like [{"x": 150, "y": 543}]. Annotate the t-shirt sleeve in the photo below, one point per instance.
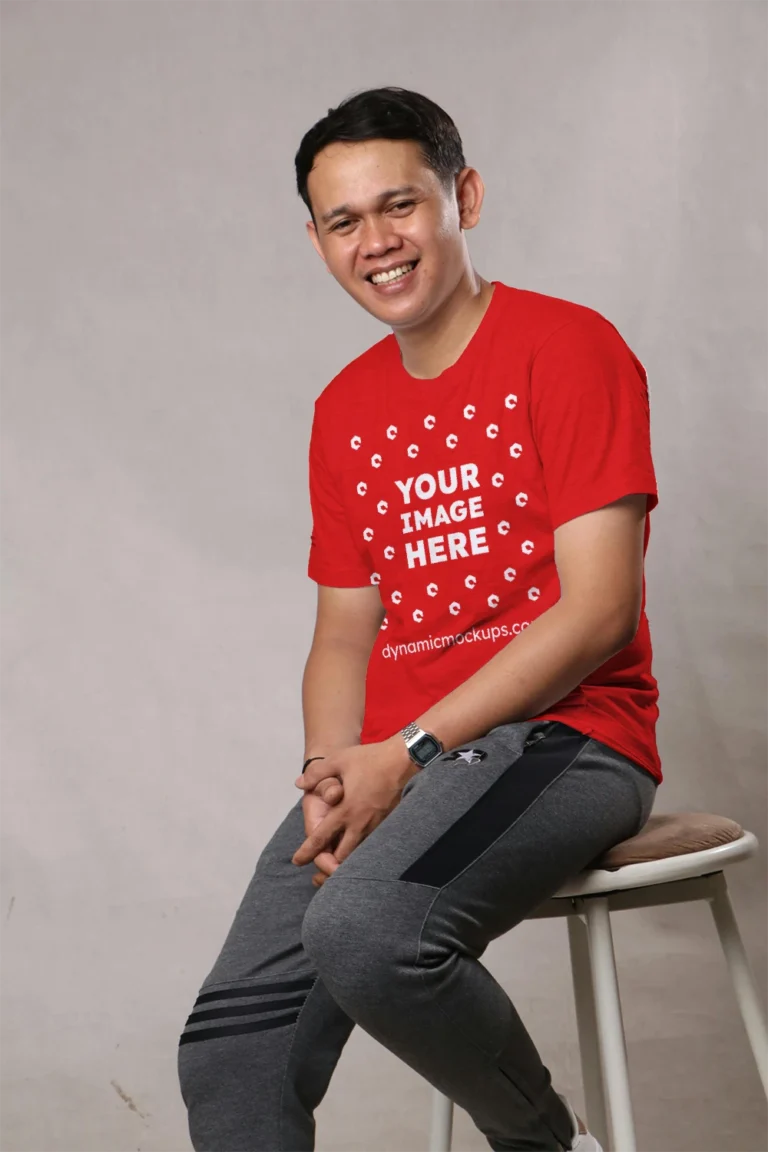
[
  {"x": 590, "y": 414},
  {"x": 334, "y": 559}
]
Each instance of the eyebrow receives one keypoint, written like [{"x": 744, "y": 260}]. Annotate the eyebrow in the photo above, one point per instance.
[{"x": 346, "y": 210}]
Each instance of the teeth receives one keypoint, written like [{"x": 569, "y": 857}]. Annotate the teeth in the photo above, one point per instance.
[{"x": 394, "y": 274}]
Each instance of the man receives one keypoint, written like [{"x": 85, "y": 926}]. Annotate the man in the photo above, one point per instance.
[{"x": 479, "y": 707}]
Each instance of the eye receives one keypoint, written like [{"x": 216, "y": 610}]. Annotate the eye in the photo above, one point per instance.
[
  {"x": 341, "y": 224},
  {"x": 404, "y": 204}
]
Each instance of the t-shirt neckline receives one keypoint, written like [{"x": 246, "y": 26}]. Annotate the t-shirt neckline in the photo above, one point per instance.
[{"x": 468, "y": 358}]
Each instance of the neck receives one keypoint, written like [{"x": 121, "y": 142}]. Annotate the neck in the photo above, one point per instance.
[{"x": 436, "y": 345}]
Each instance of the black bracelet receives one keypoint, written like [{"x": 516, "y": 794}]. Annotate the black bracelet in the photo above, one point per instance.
[{"x": 307, "y": 762}]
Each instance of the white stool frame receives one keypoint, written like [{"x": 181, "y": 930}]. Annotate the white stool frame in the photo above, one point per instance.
[{"x": 587, "y": 902}]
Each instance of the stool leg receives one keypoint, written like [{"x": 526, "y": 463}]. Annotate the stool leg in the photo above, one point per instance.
[
  {"x": 743, "y": 982},
  {"x": 610, "y": 1026},
  {"x": 589, "y": 1049},
  {"x": 442, "y": 1123}
]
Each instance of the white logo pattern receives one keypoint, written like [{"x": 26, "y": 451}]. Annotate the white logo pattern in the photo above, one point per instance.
[{"x": 497, "y": 479}]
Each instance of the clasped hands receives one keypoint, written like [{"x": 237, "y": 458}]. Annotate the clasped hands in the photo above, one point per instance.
[{"x": 346, "y": 796}]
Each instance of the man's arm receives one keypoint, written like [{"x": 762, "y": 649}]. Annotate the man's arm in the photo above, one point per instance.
[
  {"x": 333, "y": 689},
  {"x": 599, "y": 559}
]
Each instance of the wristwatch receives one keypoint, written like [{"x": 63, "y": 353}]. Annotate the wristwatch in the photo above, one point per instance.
[{"x": 422, "y": 746}]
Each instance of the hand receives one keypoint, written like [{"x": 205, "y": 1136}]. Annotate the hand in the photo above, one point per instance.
[
  {"x": 316, "y": 805},
  {"x": 373, "y": 777}
]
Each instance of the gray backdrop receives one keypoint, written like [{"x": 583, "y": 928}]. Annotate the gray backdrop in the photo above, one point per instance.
[{"x": 166, "y": 327}]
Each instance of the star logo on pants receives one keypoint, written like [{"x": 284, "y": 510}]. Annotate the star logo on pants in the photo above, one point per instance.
[{"x": 468, "y": 755}]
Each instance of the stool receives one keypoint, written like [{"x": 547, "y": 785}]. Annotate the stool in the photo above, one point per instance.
[{"x": 674, "y": 859}]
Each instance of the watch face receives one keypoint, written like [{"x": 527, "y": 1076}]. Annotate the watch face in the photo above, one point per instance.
[{"x": 425, "y": 750}]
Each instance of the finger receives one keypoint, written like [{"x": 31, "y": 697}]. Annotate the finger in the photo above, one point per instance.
[
  {"x": 327, "y": 862},
  {"x": 316, "y": 771},
  {"x": 330, "y": 791},
  {"x": 349, "y": 841},
  {"x": 320, "y": 839}
]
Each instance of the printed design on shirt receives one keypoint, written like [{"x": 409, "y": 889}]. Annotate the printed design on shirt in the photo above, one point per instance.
[
  {"x": 442, "y": 516},
  {"x": 422, "y": 498},
  {"x": 468, "y": 755}
]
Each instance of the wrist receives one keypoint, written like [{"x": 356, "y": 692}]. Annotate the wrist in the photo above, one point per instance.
[{"x": 402, "y": 765}]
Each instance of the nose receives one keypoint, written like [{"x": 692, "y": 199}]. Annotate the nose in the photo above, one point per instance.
[{"x": 377, "y": 238}]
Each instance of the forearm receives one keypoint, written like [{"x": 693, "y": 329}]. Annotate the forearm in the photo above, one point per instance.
[
  {"x": 333, "y": 696},
  {"x": 535, "y": 670}
]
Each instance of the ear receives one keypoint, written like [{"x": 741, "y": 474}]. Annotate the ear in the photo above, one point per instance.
[
  {"x": 470, "y": 192},
  {"x": 312, "y": 233}
]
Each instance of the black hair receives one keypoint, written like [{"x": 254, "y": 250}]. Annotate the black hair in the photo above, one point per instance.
[{"x": 385, "y": 114}]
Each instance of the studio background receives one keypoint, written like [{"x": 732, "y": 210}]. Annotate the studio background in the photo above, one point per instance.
[{"x": 166, "y": 328}]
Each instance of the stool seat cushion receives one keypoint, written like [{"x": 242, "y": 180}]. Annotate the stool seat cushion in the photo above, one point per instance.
[{"x": 673, "y": 834}]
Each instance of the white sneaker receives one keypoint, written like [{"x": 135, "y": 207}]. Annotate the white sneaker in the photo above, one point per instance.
[{"x": 582, "y": 1141}]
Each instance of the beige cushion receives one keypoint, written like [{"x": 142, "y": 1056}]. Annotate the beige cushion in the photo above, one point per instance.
[{"x": 675, "y": 834}]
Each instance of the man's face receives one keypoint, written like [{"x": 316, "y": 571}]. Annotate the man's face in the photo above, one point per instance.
[{"x": 395, "y": 213}]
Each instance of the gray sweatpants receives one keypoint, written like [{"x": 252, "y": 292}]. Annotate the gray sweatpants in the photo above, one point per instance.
[{"x": 392, "y": 942}]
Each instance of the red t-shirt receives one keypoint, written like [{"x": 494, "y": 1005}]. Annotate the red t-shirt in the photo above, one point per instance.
[{"x": 446, "y": 493}]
